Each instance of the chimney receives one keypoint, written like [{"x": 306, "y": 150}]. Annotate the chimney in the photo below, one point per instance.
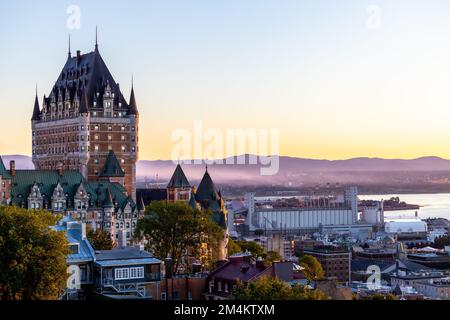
[
  {"x": 78, "y": 56},
  {"x": 260, "y": 263},
  {"x": 59, "y": 168},
  {"x": 12, "y": 168},
  {"x": 168, "y": 267},
  {"x": 83, "y": 230}
]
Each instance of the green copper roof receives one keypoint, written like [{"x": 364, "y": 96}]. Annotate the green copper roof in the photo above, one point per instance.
[
  {"x": 178, "y": 179},
  {"x": 112, "y": 167},
  {"x": 46, "y": 180},
  {"x": 101, "y": 193},
  {"x": 206, "y": 189},
  {"x": 3, "y": 171}
]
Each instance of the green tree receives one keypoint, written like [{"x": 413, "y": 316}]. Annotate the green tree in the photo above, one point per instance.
[
  {"x": 233, "y": 247},
  {"x": 312, "y": 268},
  {"x": 274, "y": 289},
  {"x": 270, "y": 257},
  {"x": 174, "y": 228},
  {"x": 100, "y": 239},
  {"x": 379, "y": 296},
  {"x": 255, "y": 249},
  {"x": 32, "y": 255}
]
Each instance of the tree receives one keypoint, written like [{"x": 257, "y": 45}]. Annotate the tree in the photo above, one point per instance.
[
  {"x": 379, "y": 296},
  {"x": 441, "y": 242},
  {"x": 270, "y": 257},
  {"x": 100, "y": 239},
  {"x": 312, "y": 268},
  {"x": 174, "y": 228},
  {"x": 32, "y": 255},
  {"x": 255, "y": 249},
  {"x": 274, "y": 289},
  {"x": 233, "y": 247}
]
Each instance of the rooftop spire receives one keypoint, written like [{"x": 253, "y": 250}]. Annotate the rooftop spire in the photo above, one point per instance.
[
  {"x": 36, "y": 109},
  {"x": 96, "y": 38},
  {"x": 133, "y": 104},
  {"x": 69, "y": 54}
]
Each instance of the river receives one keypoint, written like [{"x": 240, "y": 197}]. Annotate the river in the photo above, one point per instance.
[{"x": 432, "y": 205}]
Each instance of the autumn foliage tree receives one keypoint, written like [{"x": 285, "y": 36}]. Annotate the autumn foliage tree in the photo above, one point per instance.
[
  {"x": 312, "y": 268},
  {"x": 174, "y": 228},
  {"x": 274, "y": 289},
  {"x": 100, "y": 239},
  {"x": 32, "y": 255}
]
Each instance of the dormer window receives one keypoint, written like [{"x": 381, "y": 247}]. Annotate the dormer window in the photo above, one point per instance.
[{"x": 74, "y": 248}]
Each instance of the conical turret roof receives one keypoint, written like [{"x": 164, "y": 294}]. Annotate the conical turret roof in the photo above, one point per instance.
[{"x": 178, "y": 179}]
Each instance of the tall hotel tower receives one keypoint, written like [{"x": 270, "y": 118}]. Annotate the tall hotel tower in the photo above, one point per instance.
[{"x": 83, "y": 118}]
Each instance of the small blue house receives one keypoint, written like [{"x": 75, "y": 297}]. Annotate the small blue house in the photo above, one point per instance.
[{"x": 125, "y": 273}]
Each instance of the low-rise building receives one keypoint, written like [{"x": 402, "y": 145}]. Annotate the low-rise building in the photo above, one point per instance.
[
  {"x": 335, "y": 261},
  {"x": 126, "y": 273},
  {"x": 241, "y": 267},
  {"x": 435, "y": 288}
]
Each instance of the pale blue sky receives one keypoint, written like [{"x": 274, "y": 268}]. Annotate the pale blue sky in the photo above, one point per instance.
[{"x": 335, "y": 88}]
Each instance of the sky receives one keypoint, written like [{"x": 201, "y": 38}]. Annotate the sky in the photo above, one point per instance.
[{"x": 338, "y": 79}]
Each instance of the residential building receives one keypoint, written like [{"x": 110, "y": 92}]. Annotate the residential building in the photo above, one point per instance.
[
  {"x": 241, "y": 267},
  {"x": 126, "y": 273},
  {"x": 81, "y": 257}
]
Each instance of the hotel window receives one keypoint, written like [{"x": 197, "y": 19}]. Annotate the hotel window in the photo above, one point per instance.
[
  {"x": 96, "y": 127},
  {"x": 122, "y": 274},
  {"x": 96, "y": 147},
  {"x": 122, "y": 128},
  {"x": 109, "y": 137},
  {"x": 225, "y": 287},
  {"x": 123, "y": 148},
  {"x": 163, "y": 296},
  {"x": 122, "y": 161},
  {"x": 219, "y": 286},
  {"x": 96, "y": 137},
  {"x": 122, "y": 137},
  {"x": 136, "y": 273},
  {"x": 109, "y": 128},
  {"x": 96, "y": 161}
]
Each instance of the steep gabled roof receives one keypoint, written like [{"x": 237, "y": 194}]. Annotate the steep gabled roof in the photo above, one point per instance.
[
  {"x": 89, "y": 73},
  {"x": 112, "y": 167},
  {"x": 178, "y": 179}
]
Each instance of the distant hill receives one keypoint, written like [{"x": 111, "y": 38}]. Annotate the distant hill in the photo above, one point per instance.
[{"x": 295, "y": 171}]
